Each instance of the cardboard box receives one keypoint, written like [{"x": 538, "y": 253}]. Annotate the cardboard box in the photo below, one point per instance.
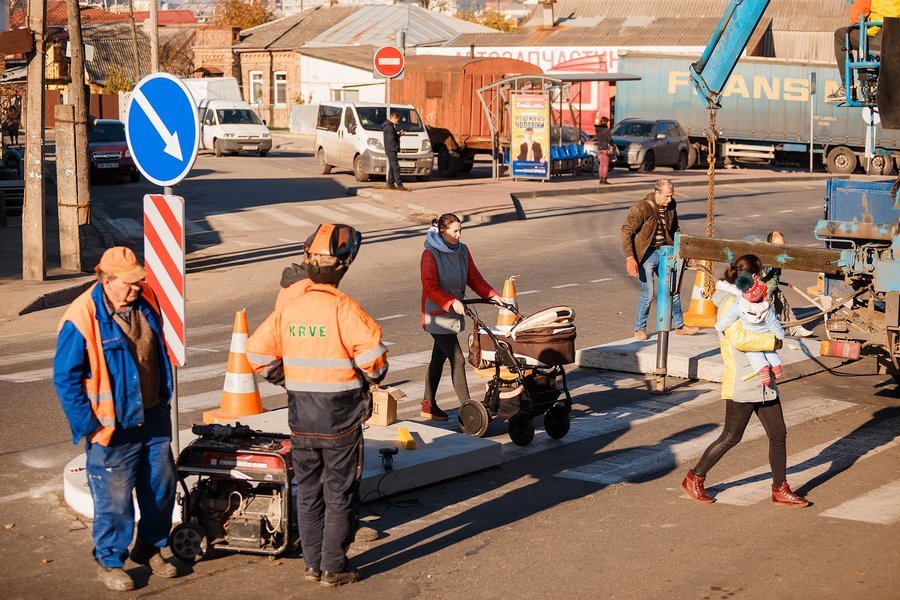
[{"x": 384, "y": 406}]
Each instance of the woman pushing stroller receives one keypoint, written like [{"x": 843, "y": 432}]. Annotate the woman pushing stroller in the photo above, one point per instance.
[{"x": 447, "y": 269}]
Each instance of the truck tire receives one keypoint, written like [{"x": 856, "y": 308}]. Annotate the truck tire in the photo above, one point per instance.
[
  {"x": 217, "y": 147},
  {"x": 881, "y": 164},
  {"x": 324, "y": 167},
  {"x": 466, "y": 167},
  {"x": 682, "y": 163},
  {"x": 693, "y": 156},
  {"x": 447, "y": 165},
  {"x": 358, "y": 170},
  {"x": 841, "y": 160},
  {"x": 649, "y": 162}
]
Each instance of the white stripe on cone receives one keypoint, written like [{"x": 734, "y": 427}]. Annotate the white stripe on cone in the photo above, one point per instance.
[
  {"x": 240, "y": 383},
  {"x": 239, "y": 343}
]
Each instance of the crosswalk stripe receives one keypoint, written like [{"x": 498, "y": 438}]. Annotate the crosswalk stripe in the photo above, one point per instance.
[
  {"x": 220, "y": 221},
  {"x": 835, "y": 455},
  {"x": 879, "y": 506},
  {"x": 28, "y": 376},
  {"x": 375, "y": 211},
  {"x": 190, "y": 374},
  {"x": 633, "y": 463},
  {"x": 279, "y": 217},
  {"x": 332, "y": 214},
  {"x": 16, "y": 359}
]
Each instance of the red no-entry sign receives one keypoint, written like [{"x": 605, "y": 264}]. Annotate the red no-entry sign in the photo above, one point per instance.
[{"x": 388, "y": 62}]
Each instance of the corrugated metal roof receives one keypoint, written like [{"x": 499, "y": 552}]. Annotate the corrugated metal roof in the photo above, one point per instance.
[
  {"x": 113, "y": 47},
  {"x": 377, "y": 25},
  {"x": 290, "y": 33},
  {"x": 352, "y": 56},
  {"x": 611, "y": 31},
  {"x": 576, "y": 13}
]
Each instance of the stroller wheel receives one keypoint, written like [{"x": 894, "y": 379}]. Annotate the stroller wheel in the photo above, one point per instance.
[
  {"x": 521, "y": 429},
  {"x": 473, "y": 418},
  {"x": 188, "y": 542},
  {"x": 556, "y": 422}
]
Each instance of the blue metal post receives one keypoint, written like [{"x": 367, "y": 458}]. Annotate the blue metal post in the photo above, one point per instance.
[{"x": 666, "y": 278}]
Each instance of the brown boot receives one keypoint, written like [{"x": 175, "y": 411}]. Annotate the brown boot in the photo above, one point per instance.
[
  {"x": 783, "y": 496},
  {"x": 693, "y": 487},
  {"x": 430, "y": 410}
]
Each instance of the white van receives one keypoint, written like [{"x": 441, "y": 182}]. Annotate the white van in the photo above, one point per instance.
[
  {"x": 227, "y": 123},
  {"x": 349, "y": 135}
]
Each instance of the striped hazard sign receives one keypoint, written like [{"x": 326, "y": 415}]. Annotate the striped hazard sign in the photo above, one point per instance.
[{"x": 164, "y": 257}]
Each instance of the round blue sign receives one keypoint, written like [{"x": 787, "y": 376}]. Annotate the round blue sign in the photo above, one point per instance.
[{"x": 162, "y": 128}]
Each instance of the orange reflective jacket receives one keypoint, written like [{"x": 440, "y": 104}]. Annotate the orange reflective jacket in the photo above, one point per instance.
[{"x": 325, "y": 350}]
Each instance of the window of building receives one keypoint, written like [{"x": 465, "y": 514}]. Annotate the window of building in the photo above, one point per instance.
[
  {"x": 256, "y": 87},
  {"x": 347, "y": 95},
  {"x": 281, "y": 88}
]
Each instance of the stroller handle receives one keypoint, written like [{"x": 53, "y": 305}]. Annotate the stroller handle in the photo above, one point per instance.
[{"x": 510, "y": 307}]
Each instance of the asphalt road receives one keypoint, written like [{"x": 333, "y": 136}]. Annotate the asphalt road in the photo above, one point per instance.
[{"x": 598, "y": 516}]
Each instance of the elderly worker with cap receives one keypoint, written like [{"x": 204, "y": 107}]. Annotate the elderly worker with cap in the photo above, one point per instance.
[{"x": 113, "y": 379}]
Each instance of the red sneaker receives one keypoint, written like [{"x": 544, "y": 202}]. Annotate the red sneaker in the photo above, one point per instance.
[
  {"x": 430, "y": 410},
  {"x": 785, "y": 497},
  {"x": 693, "y": 487}
]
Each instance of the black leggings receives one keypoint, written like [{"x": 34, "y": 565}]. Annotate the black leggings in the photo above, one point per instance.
[
  {"x": 737, "y": 415},
  {"x": 446, "y": 346}
]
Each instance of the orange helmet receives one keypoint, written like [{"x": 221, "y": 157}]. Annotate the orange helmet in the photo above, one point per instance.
[{"x": 329, "y": 251}]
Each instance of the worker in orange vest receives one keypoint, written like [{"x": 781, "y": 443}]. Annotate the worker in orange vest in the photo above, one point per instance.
[
  {"x": 326, "y": 351},
  {"x": 114, "y": 381}
]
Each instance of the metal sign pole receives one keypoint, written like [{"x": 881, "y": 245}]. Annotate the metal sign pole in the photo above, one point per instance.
[
  {"x": 173, "y": 409},
  {"x": 812, "y": 116}
]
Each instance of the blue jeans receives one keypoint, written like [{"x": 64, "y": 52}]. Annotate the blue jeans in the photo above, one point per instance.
[
  {"x": 136, "y": 459},
  {"x": 647, "y": 272}
]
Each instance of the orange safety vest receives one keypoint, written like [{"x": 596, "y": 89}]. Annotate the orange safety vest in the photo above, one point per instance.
[
  {"x": 327, "y": 345},
  {"x": 82, "y": 313}
]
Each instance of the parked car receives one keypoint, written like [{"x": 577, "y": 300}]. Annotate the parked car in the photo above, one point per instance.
[
  {"x": 645, "y": 144},
  {"x": 108, "y": 151},
  {"x": 349, "y": 135}
]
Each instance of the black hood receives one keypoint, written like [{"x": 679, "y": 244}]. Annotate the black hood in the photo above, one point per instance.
[{"x": 293, "y": 274}]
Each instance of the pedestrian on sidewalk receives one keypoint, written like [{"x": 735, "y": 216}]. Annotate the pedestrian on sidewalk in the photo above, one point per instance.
[
  {"x": 113, "y": 377},
  {"x": 392, "y": 150},
  {"x": 652, "y": 223},
  {"x": 326, "y": 351},
  {"x": 12, "y": 125},
  {"x": 744, "y": 396},
  {"x": 604, "y": 148},
  {"x": 772, "y": 278},
  {"x": 447, "y": 268}
]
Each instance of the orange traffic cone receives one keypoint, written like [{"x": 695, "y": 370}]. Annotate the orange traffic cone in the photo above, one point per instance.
[
  {"x": 702, "y": 312},
  {"x": 240, "y": 394},
  {"x": 507, "y": 318}
]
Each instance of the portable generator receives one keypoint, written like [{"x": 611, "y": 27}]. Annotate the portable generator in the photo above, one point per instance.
[{"x": 235, "y": 492}]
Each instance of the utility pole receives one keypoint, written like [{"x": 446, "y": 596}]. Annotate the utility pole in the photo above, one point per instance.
[
  {"x": 134, "y": 42},
  {"x": 79, "y": 101},
  {"x": 154, "y": 36},
  {"x": 67, "y": 188},
  {"x": 33, "y": 264}
]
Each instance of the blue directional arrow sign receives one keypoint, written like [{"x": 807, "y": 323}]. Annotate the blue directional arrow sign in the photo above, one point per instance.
[{"x": 162, "y": 128}]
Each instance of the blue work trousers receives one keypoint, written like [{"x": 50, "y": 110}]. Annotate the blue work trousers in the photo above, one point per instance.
[
  {"x": 137, "y": 459},
  {"x": 327, "y": 501},
  {"x": 647, "y": 273}
]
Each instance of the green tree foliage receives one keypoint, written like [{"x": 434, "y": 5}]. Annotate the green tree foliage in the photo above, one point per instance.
[{"x": 242, "y": 13}]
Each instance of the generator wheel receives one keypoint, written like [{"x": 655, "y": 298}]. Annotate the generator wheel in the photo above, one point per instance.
[
  {"x": 521, "y": 429},
  {"x": 556, "y": 422},
  {"x": 473, "y": 418},
  {"x": 188, "y": 542}
]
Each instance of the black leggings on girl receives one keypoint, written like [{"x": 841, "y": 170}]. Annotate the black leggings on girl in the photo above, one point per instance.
[
  {"x": 446, "y": 346},
  {"x": 737, "y": 415}
]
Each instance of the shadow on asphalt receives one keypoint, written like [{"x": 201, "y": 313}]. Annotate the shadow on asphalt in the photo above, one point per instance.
[{"x": 547, "y": 490}]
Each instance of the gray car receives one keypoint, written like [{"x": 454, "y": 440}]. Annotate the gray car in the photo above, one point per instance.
[{"x": 645, "y": 144}]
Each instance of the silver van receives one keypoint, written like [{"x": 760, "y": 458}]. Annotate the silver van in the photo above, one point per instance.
[{"x": 349, "y": 135}]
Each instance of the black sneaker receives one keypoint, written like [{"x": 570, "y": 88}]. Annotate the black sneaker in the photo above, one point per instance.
[
  {"x": 838, "y": 95},
  {"x": 330, "y": 579},
  {"x": 312, "y": 574}
]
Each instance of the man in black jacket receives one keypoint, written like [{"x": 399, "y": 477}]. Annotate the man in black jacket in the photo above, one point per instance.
[{"x": 391, "y": 149}]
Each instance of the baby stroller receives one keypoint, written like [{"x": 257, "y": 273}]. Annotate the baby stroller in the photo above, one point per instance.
[{"x": 529, "y": 373}]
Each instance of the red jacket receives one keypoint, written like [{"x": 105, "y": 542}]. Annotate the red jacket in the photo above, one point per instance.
[{"x": 432, "y": 290}]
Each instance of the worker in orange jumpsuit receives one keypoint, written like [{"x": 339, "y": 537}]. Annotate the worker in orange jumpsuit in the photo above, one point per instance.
[{"x": 326, "y": 351}]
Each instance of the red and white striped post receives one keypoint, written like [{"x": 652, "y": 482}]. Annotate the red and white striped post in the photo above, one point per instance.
[{"x": 164, "y": 260}]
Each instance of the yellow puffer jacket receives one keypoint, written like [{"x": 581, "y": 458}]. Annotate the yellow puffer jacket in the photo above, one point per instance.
[{"x": 881, "y": 9}]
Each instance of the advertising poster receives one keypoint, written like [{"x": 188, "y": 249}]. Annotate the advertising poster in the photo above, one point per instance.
[{"x": 530, "y": 135}]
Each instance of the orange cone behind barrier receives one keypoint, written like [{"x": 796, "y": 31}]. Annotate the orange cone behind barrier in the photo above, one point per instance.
[
  {"x": 702, "y": 312},
  {"x": 507, "y": 318},
  {"x": 240, "y": 394}
]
